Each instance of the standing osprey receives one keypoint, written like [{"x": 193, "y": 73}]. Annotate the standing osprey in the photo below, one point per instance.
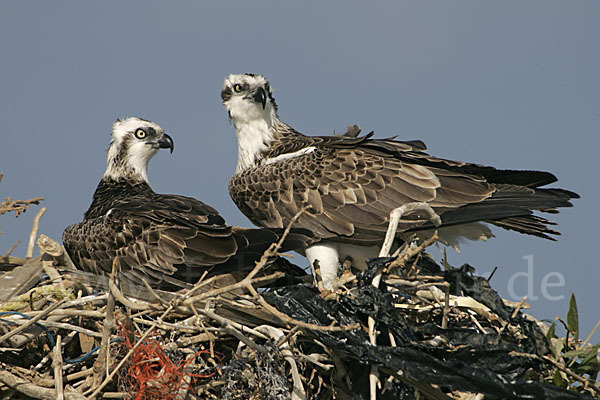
[
  {"x": 154, "y": 236},
  {"x": 353, "y": 183}
]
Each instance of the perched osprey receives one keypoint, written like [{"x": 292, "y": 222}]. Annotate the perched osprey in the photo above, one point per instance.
[
  {"x": 353, "y": 183},
  {"x": 158, "y": 237}
]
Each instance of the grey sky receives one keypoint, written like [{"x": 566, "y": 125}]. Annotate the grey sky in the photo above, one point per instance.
[{"x": 513, "y": 84}]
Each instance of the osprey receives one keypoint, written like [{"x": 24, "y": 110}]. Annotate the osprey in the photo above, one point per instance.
[
  {"x": 353, "y": 183},
  {"x": 161, "y": 238}
]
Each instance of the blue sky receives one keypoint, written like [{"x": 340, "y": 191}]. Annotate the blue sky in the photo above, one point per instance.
[{"x": 513, "y": 84}]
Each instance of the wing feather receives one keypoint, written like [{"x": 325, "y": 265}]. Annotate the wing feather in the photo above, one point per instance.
[
  {"x": 354, "y": 183},
  {"x": 155, "y": 236}
]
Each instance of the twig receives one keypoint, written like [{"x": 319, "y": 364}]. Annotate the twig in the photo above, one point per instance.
[
  {"x": 230, "y": 288},
  {"x": 32, "y": 321},
  {"x": 64, "y": 325},
  {"x": 312, "y": 358},
  {"x": 409, "y": 252},
  {"x": 34, "y": 232},
  {"x": 242, "y": 338},
  {"x": 116, "y": 395},
  {"x": 587, "y": 383},
  {"x": 476, "y": 322},
  {"x": 587, "y": 339},
  {"x": 224, "y": 321},
  {"x": 11, "y": 249},
  {"x": 445, "y": 260},
  {"x": 298, "y": 392},
  {"x": 101, "y": 363},
  {"x": 446, "y": 306},
  {"x": 65, "y": 312},
  {"x": 346, "y": 278},
  {"x": 57, "y": 364},
  {"x": 31, "y": 390},
  {"x": 80, "y": 374},
  {"x": 18, "y": 206},
  {"x": 166, "y": 326},
  {"x": 153, "y": 293},
  {"x": 286, "y": 318},
  {"x": 516, "y": 311},
  {"x": 114, "y": 291},
  {"x": 95, "y": 298},
  {"x": 249, "y": 279},
  {"x": 288, "y": 336},
  {"x": 413, "y": 267}
]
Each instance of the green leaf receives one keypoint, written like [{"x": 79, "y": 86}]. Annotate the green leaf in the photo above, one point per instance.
[
  {"x": 583, "y": 353},
  {"x": 575, "y": 353},
  {"x": 557, "y": 380},
  {"x": 590, "y": 357},
  {"x": 573, "y": 317},
  {"x": 556, "y": 346},
  {"x": 551, "y": 332}
]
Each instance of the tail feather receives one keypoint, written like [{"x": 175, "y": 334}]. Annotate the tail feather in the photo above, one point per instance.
[
  {"x": 531, "y": 225},
  {"x": 258, "y": 240},
  {"x": 512, "y": 207},
  {"x": 530, "y": 179}
]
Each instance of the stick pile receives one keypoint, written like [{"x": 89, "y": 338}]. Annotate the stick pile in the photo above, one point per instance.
[{"x": 439, "y": 333}]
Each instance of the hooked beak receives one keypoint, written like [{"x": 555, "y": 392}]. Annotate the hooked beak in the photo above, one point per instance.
[
  {"x": 260, "y": 96},
  {"x": 166, "y": 142}
]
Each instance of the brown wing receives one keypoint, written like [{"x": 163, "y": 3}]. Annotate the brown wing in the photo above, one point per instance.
[
  {"x": 155, "y": 236},
  {"x": 351, "y": 191},
  {"x": 149, "y": 243},
  {"x": 352, "y": 186}
]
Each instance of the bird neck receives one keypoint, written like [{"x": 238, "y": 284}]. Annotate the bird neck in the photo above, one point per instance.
[
  {"x": 254, "y": 133},
  {"x": 257, "y": 135},
  {"x": 111, "y": 192},
  {"x": 130, "y": 166}
]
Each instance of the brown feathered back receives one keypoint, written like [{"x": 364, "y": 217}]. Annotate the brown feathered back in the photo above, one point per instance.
[
  {"x": 353, "y": 183},
  {"x": 157, "y": 236}
]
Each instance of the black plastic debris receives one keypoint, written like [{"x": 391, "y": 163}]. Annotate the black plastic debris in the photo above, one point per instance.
[{"x": 499, "y": 363}]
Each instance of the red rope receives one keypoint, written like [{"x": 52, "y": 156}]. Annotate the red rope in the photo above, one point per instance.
[{"x": 152, "y": 374}]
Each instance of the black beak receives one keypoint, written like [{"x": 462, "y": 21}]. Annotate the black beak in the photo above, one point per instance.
[
  {"x": 260, "y": 96},
  {"x": 166, "y": 142}
]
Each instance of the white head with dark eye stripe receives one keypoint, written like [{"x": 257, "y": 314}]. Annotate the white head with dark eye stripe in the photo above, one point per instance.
[
  {"x": 134, "y": 142},
  {"x": 251, "y": 107},
  {"x": 242, "y": 91}
]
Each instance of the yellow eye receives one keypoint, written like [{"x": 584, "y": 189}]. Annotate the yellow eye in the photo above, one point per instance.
[
  {"x": 140, "y": 134},
  {"x": 237, "y": 88}
]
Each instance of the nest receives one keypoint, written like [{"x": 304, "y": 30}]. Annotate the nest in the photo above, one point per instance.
[{"x": 404, "y": 329}]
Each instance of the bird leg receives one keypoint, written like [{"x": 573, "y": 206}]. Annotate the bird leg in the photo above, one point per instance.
[
  {"x": 346, "y": 265},
  {"x": 395, "y": 216},
  {"x": 390, "y": 235},
  {"x": 316, "y": 271}
]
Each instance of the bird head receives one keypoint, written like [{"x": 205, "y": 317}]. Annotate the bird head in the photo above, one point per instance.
[
  {"x": 134, "y": 142},
  {"x": 248, "y": 97}
]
